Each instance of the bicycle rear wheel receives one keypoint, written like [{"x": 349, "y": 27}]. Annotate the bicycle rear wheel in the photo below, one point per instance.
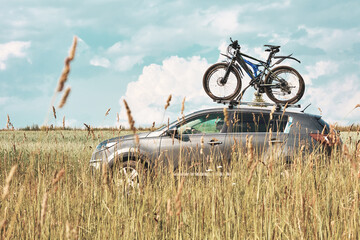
[
  {"x": 221, "y": 91},
  {"x": 287, "y": 85}
]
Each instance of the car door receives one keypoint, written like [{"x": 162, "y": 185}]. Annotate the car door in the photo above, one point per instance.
[
  {"x": 262, "y": 129},
  {"x": 199, "y": 141}
]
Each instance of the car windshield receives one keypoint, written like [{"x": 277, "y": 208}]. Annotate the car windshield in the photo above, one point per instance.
[{"x": 205, "y": 123}]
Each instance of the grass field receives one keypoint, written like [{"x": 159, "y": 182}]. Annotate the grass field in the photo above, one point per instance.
[{"x": 51, "y": 193}]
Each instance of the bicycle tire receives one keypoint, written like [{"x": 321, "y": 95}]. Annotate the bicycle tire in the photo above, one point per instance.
[
  {"x": 217, "y": 91},
  {"x": 292, "y": 78}
]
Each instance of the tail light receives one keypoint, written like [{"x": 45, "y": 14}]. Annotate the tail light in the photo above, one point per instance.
[{"x": 330, "y": 139}]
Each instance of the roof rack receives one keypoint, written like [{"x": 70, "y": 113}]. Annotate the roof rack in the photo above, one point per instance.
[{"x": 279, "y": 106}]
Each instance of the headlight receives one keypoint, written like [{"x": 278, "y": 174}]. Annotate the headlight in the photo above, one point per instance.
[
  {"x": 109, "y": 145},
  {"x": 105, "y": 145},
  {"x": 96, "y": 164}
]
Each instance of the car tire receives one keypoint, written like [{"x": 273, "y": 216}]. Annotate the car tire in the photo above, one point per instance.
[{"x": 129, "y": 176}]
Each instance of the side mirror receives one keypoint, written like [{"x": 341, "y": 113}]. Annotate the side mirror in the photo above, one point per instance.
[{"x": 172, "y": 132}]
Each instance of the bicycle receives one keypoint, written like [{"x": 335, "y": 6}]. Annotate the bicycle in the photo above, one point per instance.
[{"x": 283, "y": 84}]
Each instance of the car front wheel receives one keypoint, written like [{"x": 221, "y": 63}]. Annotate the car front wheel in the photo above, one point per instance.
[{"x": 129, "y": 176}]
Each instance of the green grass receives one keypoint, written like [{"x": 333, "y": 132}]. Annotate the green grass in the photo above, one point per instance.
[{"x": 312, "y": 199}]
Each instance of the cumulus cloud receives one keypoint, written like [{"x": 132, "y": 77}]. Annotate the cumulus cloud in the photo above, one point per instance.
[
  {"x": 225, "y": 22},
  {"x": 119, "y": 57},
  {"x": 176, "y": 76},
  {"x": 127, "y": 62},
  {"x": 100, "y": 62},
  {"x": 3, "y": 100},
  {"x": 337, "y": 100},
  {"x": 273, "y": 5},
  {"x": 329, "y": 39},
  {"x": 12, "y": 49},
  {"x": 319, "y": 69}
]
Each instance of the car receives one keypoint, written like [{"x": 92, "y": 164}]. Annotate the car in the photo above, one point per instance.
[{"x": 209, "y": 135}]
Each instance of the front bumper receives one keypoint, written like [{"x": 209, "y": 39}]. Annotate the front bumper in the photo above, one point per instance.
[{"x": 97, "y": 159}]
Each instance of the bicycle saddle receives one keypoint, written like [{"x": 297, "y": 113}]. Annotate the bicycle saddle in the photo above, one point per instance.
[{"x": 272, "y": 48}]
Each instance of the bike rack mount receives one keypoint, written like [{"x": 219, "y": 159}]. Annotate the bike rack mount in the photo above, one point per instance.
[{"x": 279, "y": 106}]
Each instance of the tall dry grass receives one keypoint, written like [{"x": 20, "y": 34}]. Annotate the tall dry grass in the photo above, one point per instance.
[{"x": 53, "y": 194}]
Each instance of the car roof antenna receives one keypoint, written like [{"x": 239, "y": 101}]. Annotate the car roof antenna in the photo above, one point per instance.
[{"x": 305, "y": 108}]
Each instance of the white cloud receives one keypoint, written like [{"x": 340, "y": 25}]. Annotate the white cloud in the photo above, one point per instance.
[
  {"x": 329, "y": 39},
  {"x": 100, "y": 62},
  {"x": 71, "y": 123},
  {"x": 177, "y": 76},
  {"x": 273, "y": 5},
  {"x": 120, "y": 57},
  {"x": 12, "y": 49},
  {"x": 116, "y": 48},
  {"x": 336, "y": 100},
  {"x": 223, "y": 49},
  {"x": 279, "y": 39},
  {"x": 4, "y": 100},
  {"x": 180, "y": 32},
  {"x": 319, "y": 69},
  {"x": 225, "y": 22},
  {"x": 127, "y": 62}
]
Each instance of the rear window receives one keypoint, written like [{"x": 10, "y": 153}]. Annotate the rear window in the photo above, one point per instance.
[{"x": 258, "y": 122}]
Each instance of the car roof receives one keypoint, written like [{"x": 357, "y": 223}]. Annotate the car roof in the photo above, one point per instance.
[{"x": 254, "y": 110}]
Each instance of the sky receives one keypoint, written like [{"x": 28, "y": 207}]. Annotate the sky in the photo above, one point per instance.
[{"x": 143, "y": 51}]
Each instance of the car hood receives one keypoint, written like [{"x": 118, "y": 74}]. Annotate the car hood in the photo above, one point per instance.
[{"x": 112, "y": 141}]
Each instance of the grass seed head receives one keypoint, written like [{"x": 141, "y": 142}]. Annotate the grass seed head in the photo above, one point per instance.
[
  {"x": 8, "y": 122},
  {"x": 43, "y": 209},
  {"x": 226, "y": 117},
  {"x": 107, "y": 112},
  {"x": 183, "y": 106},
  {"x": 130, "y": 118},
  {"x": 54, "y": 111},
  {"x": 58, "y": 176},
  {"x": 8, "y": 181},
  {"x": 73, "y": 49},
  {"x": 169, "y": 213},
  {"x": 272, "y": 112},
  {"x": 66, "y": 70},
  {"x": 168, "y": 102},
  {"x": 320, "y": 110},
  {"x": 178, "y": 198},
  {"x": 64, "y": 98},
  {"x": 2, "y": 224},
  {"x": 250, "y": 150},
  {"x": 252, "y": 172}
]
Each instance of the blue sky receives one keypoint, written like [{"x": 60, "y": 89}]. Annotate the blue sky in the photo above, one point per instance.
[{"x": 142, "y": 51}]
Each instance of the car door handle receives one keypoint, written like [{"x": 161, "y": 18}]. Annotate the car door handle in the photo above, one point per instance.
[
  {"x": 275, "y": 140},
  {"x": 214, "y": 142}
]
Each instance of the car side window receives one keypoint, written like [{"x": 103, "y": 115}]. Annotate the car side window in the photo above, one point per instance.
[
  {"x": 258, "y": 122},
  {"x": 206, "y": 123}
]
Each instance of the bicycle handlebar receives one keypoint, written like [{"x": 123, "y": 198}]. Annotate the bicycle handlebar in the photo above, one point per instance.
[{"x": 234, "y": 44}]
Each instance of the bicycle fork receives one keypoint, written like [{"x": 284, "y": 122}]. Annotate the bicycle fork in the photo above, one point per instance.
[{"x": 223, "y": 81}]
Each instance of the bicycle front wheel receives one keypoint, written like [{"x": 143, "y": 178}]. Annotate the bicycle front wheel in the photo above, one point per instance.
[
  {"x": 214, "y": 85},
  {"x": 284, "y": 85}
]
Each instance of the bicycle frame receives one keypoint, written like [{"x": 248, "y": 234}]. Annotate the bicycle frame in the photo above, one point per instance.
[
  {"x": 255, "y": 75},
  {"x": 243, "y": 65}
]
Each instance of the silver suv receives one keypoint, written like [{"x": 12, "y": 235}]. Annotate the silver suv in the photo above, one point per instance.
[{"x": 211, "y": 134}]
